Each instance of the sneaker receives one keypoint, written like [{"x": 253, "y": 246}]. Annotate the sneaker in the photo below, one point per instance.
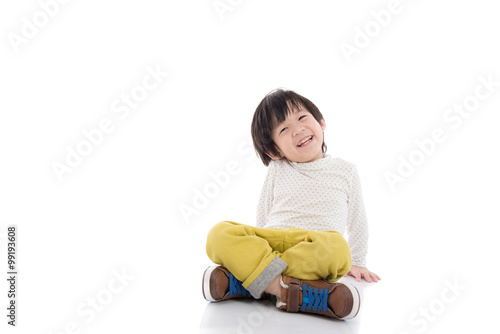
[
  {"x": 219, "y": 284},
  {"x": 335, "y": 300}
]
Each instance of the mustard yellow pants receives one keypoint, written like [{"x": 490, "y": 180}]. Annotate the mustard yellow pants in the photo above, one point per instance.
[{"x": 255, "y": 256}]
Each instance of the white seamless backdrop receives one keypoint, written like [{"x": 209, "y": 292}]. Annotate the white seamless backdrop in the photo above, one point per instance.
[{"x": 125, "y": 135}]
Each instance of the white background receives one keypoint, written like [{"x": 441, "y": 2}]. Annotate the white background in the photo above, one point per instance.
[{"x": 120, "y": 208}]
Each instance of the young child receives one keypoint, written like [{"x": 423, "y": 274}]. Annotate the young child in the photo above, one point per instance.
[{"x": 297, "y": 252}]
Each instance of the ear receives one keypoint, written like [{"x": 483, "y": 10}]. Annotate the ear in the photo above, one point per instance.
[
  {"x": 273, "y": 156},
  {"x": 323, "y": 124}
]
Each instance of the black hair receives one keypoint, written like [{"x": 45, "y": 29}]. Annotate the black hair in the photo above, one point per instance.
[{"x": 273, "y": 110}]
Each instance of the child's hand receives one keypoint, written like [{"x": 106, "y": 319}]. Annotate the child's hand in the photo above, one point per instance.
[{"x": 359, "y": 272}]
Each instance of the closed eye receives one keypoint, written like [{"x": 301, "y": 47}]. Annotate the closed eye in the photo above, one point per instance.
[
  {"x": 283, "y": 130},
  {"x": 302, "y": 117}
]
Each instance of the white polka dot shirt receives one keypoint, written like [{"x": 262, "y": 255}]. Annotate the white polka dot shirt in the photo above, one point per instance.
[{"x": 321, "y": 195}]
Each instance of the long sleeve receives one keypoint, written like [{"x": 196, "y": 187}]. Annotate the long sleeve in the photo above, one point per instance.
[
  {"x": 266, "y": 196},
  {"x": 357, "y": 225}
]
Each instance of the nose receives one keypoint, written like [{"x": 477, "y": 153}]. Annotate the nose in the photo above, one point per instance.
[{"x": 298, "y": 129}]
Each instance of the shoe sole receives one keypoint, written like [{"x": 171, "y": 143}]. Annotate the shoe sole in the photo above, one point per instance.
[
  {"x": 206, "y": 284},
  {"x": 356, "y": 301}
]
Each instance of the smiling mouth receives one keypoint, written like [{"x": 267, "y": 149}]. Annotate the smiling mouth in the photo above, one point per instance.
[{"x": 305, "y": 141}]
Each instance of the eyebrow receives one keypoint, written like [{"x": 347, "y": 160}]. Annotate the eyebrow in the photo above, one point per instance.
[{"x": 278, "y": 127}]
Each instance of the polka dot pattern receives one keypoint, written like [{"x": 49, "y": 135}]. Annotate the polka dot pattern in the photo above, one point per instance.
[{"x": 321, "y": 195}]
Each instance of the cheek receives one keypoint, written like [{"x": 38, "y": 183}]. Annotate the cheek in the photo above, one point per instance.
[
  {"x": 281, "y": 143},
  {"x": 286, "y": 144},
  {"x": 319, "y": 129}
]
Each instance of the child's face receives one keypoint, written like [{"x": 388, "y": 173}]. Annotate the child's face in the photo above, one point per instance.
[{"x": 300, "y": 137}]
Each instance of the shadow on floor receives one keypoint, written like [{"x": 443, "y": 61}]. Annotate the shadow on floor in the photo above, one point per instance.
[{"x": 245, "y": 316}]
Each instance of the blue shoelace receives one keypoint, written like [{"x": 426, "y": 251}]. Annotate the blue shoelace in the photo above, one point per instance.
[
  {"x": 317, "y": 299},
  {"x": 235, "y": 287}
]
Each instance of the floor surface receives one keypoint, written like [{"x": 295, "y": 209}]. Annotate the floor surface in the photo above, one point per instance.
[
  {"x": 401, "y": 303},
  {"x": 254, "y": 316}
]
